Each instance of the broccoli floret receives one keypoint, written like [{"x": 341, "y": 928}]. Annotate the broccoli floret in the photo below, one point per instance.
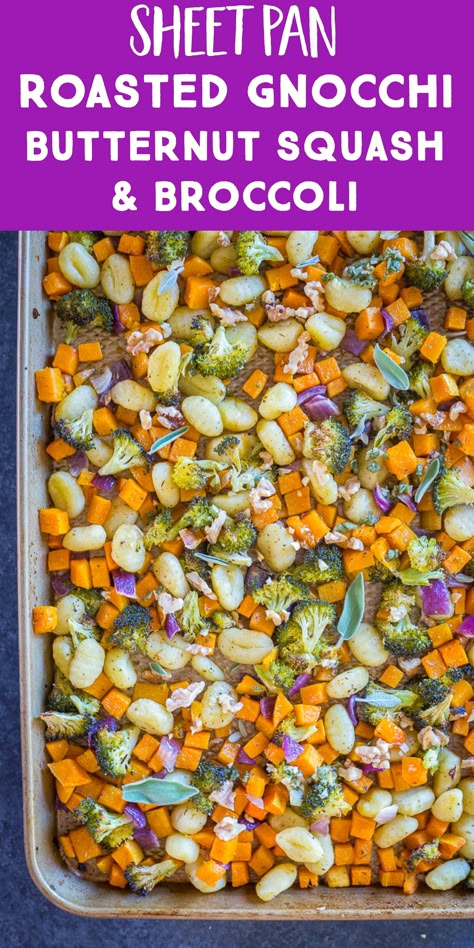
[
  {"x": 398, "y": 425},
  {"x": 329, "y": 443},
  {"x": 201, "y": 330},
  {"x": 127, "y": 453},
  {"x": 202, "y": 803},
  {"x": 199, "y": 514},
  {"x": 449, "y": 490},
  {"x": 81, "y": 308},
  {"x": 252, "y": 250},
  {"x": 400, "y": 635},
  {"x": 396, "y": 596},
  {"x": 222, "y": 620},
  {"x": 430, "y": 759},
  {"x": 322, "y": 564},
  {"x": 78, "y": 433},
  {"x": 209, "y": 777},
  {"x": 468, "y": 293},
  {"x": 235, "y": 537},
  {"x": 132, "y": 628},
  {"x": 435, "y": 716},
  {"x": 159, "y": 529},
  {"x": 107, "y": 829},
  {"x": 290, "y": 777},
  {"x": 191, "y": 620},
  {"x": 378, "y": 703},
  {"x": 290, "y": 728},
  {"x": 85, "y": 237},
  {"x": 143, "y": 879},
  {"x": 301, "y": 638},
  {"x": 279, "y": 594},
  {"x": 425, "y": 273},
  {"x": 243, "y": 473},
  {"x": 83, "y": 628},
  {"x": 114, "y": 749},
  {"x": 359, "y": 407},
  {"x": 412, "y": 337},
  {"x": 191, "y": 474},
  {"x": 431, "y": 690},
  {"x": 419, "y": 377},
  {"x": 325, "y": 796},
  {"x": 378, "y": 573},
  {"x": 63, "y": 725},
  {"x": 63, "y": 697},
  {"x": 424, "y": 553},
  {"x": 428, "y": 852},
  {"x": 166, "y": 246},
  {"x": 92, "y": 599},
  {"x": 278, "y": 677},
  {"x": 220, "y": 358}
]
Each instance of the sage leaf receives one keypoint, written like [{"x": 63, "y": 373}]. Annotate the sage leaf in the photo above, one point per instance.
[
  {"x": 467, "y": 237},
  {"x": 416, "y": 577},
  {"x": 169, "y": 280},
  {"x": 353, "y": 610},
  {"x": 158, "y": 670},
  {"x": 168, "y": 438},
  {"x": 308, "y": 263},
  {"x": 430, "y": 475},
  {"x": 381, "y": 699},
  {"x": 210, "y": 559},
  {"x": 159, "y": 792},
  {"x": 392, "y": 373}
]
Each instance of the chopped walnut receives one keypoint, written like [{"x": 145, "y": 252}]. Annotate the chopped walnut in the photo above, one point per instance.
[
  {"x": 257, "y": 496},
  {"x": 298, "y": 355},
  {"x": 347, "y": 490},
  {"x": 377, "y": 755},
  {"x": 432, "y": 737},
  {"x": 168, "y": 603},
  {"x": 224, "y": 795},
  {"x": 143, "y": 341},
  {"x": 222, "y": 239},
  {"x": 228, "y": 703},
  {"x": 169, "y": 417},
  {"x": 315, "y": 292},
  {"x": 194, "y": 649},
  {"x": 197, "y": 582},
  {"x": 277, "y": 617},
  {"x": 228, "y": 828},
  {"x": 145, "y": 419},
  {"x": 457, "y": 409},
  {"x": 444, "y": 251},
  {"x": 190, "y": 540},
  {"x": 184, "y": 697},
  {"x": 212, "y": 532},
  {"x": 227, "y": 315}
]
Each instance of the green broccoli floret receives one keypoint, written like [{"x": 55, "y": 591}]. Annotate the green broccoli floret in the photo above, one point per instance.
[
  {"x": 430, "y": 759},
  {"x": 192, "y": 474},
  {"x": 398, "y": 425},
  {"x": 61, "y": 725},
  {"x": 235, "y": 537},
  {"x": 92, "y": 599},
  {"x": 468, "y": 293},
  {"x": 278, "y": 677},
  {"x": 159, "y": 529},
  {"x": 209, "y": 777},
  {"x": 449, "y": 490},
  {"x": 325, "y": 796},
  {"x": 222, "y": 620},
  {"x": 329, "y": 443},
  {"x": 301, "y": 639},
  {"x": 323, "y": 564},
  {"x": 412, "y": 337},
  {"x": 78, "y": 433},
  {"x": 290, "y": 728},
  {"x": 400, "y": 636},
  {"x": 378, "y": 703},
  {"x": 252, "y": 250},
  {"x": 200, "y": 330},
  {"x": 428, "y": 852},
  {"x": 220, "y": 358},
  {"x": 107, "y": 829},
  {"x": 83, "y": 628},
  {"x": 359, "y": 407},
  {"x": 143, "y": 879},
  {"x": 435, "y": 716},
  {"x": 202, "y": 803},
  {"x": 419, "y": 377},
  {"x": 431, "y": 690},
  {"x": 199, "y": 514},
  {"x": 114, "y": 749},
  {"x": 290, "y": 777},
  {"x": 132, "y": 628},
  {"x": 243, "y": 473},
  {"x": 127, "y": 453},
  {"x": 81, "y": 308},
  {"x": 166, "y": 246},
  {"x": 378, "y": 573},
  {"x": 424, "y": 553},
  {"x": 425, "y": 273},
  {"x": 190, "y": 619},
  {"x": 279, "y": 594},
  {"x": 85, "y": 237},
  {"x": 63, "y": 697}
]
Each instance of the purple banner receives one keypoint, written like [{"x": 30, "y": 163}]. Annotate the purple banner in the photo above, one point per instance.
[{"x": 131, "y": 115}]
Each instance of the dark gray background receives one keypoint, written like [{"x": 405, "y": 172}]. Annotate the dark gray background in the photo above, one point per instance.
[{"x": 26, "y": 918}]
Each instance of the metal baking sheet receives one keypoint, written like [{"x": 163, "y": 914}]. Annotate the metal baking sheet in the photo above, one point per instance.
[{"x": 63, "y": 887}]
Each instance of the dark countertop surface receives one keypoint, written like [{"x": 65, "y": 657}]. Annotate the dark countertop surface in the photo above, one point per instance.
[{"x": 27, "y": 920}]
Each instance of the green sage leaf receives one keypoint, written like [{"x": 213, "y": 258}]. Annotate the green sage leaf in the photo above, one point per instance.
[
  {"x": 168, "y": 438},
  {"x": 392, "y": 373},
  {"x": 416, "y": 577},
  {"x": 430, "y": 475},
  {"x": 380, "y": 699},
  {"x": 353, "y": 610},
  {"x": 158, "y": 670},
  {"x": 169, "y": 280},
  {"x": 159, "y": 792},
  {"x": 467, "y": 237},
  {"x": 210, "y": 559}
]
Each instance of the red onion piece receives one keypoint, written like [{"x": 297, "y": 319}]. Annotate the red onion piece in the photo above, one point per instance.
[
  {"x": 243, "y": 758},
  {"x": 267, "y": 705},
  {"x": 124, "y": 583},
  {"x": 351, "y": 343},
  {"x": 421, "y": 316},
  {"x": 234, "y": 272},
  {"x": 381, "y": 499},
  {"x": 135, "y": 814},
  {"x": 101, "y": 380},
  {"x": 291, "y": 749},
  {"x": 77, "y": 462},
  {"x": 121, "y": 371},
  {"x": 104, "y": 482},
  {"x": 256, "y": 801},
  {"x": 171, "y": 626},
  {"x": 388, "y": 321},
  {"x": 249, "y": 824},
  {"x": 300, "y": 682},
  {"x": 408, "y": 501},
  {"x": 308, "y": 393},
  {"x": 445, "y": 406},
  {"x": 467, "y": 627},
  {"x": 61, "y": 584},
  {"x": 370, "y": 769},
  {"x": 146, "y": 838},
  {"x": 108, "y": 722},
  {"x": 118, "y": 325},
  {"x": 319, "y": 407},
  {"x": 351, "y": 710},
  {"x": 169, "y": 750},
  {"x": 436, "y": 600},
  {"x": 321, "y": 826}
]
